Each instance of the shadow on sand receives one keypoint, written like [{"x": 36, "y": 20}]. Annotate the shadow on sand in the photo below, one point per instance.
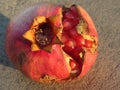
[{"x": 3, "y": 26}]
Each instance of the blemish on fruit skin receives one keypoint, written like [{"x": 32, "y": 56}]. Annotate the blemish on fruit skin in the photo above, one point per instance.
[
  {"x": 21, "y": 58},
  {"x": 59, "y": 43}
]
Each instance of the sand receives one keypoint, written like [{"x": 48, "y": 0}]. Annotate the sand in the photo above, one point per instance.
[{"x": 104, "y": 75}]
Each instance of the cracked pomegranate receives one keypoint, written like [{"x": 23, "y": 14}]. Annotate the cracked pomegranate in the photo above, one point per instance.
[{"x": 52, "y": 43}]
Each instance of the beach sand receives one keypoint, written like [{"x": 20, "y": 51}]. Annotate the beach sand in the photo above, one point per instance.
[{"x": 105, "y": 73}]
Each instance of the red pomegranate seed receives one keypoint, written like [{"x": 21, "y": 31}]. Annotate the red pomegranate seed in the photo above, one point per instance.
[
  {"x": 73, "y": 64},
  {"x": 67, "y": 24},
  {"x": 67, "y": 49},
  {"x": 76, "y": 52},
  {"x": 73, "y": 33},
  {"x": 80, "y": 40},
  {"x": 69, "y": 15},
  {"x": 70, "y": 43},
  {"x": 88, "y": 43},
  {"x": 74, "y": 10},
  {"x": 75, "y": 22}
]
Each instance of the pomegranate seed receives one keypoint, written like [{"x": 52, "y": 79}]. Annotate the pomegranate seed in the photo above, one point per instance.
[
  {"x": 67, "y": 24},
  {"x": 73, "y": 33},
  {"x": 67, "y": 49},
  {"x": 74, "y": 10},
  {"x": 69, "y": 15},
  {"x": 70, "y": 44},
  {"x": 74, "y": 22},
  {"x": 64, "y": 39},
  {"x": 73, "y": 64},
  {"x": 76, "y": 52},
  {"x": 80, "y": 40},
  {"x": 88, "y": 43}
]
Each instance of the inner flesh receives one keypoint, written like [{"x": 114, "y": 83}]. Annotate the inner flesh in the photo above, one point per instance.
[{"x": 74, "y": 42}]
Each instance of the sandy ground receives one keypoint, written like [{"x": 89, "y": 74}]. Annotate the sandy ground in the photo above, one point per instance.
[{"x": 104, "y": 75}]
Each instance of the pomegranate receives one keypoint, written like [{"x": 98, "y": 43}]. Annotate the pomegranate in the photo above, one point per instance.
[{"x": 52, "y": 43}]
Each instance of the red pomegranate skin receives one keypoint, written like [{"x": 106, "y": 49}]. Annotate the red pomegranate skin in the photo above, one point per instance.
[{"x": 43, "y": 66}]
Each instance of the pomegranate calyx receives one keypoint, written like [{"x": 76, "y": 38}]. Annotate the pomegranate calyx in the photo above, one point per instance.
[{"x": 44, "y": 32}]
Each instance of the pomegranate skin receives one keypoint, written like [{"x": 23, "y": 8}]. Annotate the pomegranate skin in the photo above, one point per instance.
[{"x": 42, "y": 66}]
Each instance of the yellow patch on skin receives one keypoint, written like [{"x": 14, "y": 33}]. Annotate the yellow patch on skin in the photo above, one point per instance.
[
  {"x": 82, "y": 27},
  {"x": 67, "y": 59},
  {"x": 88, "y": 37},
  {"x": 47, "y": 79}
]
